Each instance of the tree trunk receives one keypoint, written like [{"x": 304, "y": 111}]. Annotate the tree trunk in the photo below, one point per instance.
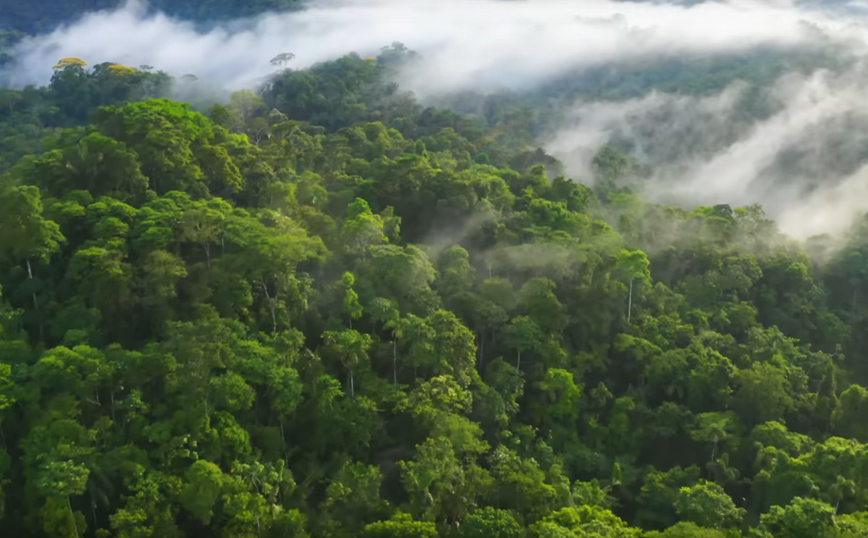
[
  {"x": 30, "y": 277},
  {"x": 630, "y": 301},
  {"x": 72, "y": 515},
  {"x": 270, "y": 306},
  {"x": 395, "y": 361},
  {"x": 207, "y": 248},
  {"x": 283, "y": 441},
  {"x": 518, "y": 361},
  {"x": 352, "y": 386},
  {"x": 93, "y": 512},
  {"x": 35, "y": 302}
]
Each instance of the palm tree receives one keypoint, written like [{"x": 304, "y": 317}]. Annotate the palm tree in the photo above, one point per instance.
[
  {"x": 841, "y": 489},
  {"x": 712, "y": 428},
  {"x": 385, "y": 312},
  {"x": 352, "y": 348},
  {"x": 721, "y": 471},
  {"x": 717, "y": 433},
  {"x": 397, "y": 326}
]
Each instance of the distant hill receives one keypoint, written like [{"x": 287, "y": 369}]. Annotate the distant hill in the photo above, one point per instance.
[
  {"x": 32, "y": 17},
  {"x": 43, "y": 16}
]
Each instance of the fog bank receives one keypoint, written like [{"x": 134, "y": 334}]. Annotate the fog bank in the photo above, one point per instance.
[{"x": 802, "y": 156}]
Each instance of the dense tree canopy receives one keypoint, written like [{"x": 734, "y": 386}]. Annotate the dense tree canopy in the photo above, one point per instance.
[{"x": 326, "y": 311}]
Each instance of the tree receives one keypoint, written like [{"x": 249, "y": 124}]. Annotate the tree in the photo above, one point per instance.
[
  {"x": 851, "y": 404},
  {"x": 519, "y": 484},
  {"x": 384, "y": 311},
  {"x": 707, "y": 505},
  {"x": 659, "y": 493},
  {"x": 352, "y": 308},
  {"x": 633, "y": 264},
  {"x": 687, "y": 529},
  {"x": 763, "y": 392},
  {"x": 522, "y": 334},
  {"x": 204, "y": 224},
  {"x": 204, "y": 482},
  {"x": 63, "y": 63},
  {"x": 400, "y": 526},
  {"x": 453, "y": 346},
  {"x": 87, "y": 160},
  {"x": 490, "y": 523},
  {"x": 713, "y": 428},
  {"x": 582, "y": 521},
  {"x": 247, "y": 105},
  {"x": 362, "y": 228},
  {"x": 24, "y": 233},
  {"x": 269, "y": 248},
  {"x": 840, "y": 490},
  {"x": 353, "y": 497},
  {"x": 800, "y": 519},
  {"x": 174, "y": 145},
  {"x": 59, "y": 460},
  {"x": 536, "y": 297},
  {"x": 439, "y": 486},
  {"x": 455, "y": 274},
  {"x": 561, "y": 397},
  {"x": 282, "y": 59},
  {"x": 352, "y": 349}
]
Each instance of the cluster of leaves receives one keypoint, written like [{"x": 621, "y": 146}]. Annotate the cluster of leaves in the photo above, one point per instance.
[{"x": 246, "y": 324}]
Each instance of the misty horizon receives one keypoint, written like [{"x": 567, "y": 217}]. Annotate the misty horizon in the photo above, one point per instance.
[{"x": 702, "y": 148}]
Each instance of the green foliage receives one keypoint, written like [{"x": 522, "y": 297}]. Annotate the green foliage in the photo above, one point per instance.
[
  {"x": 400, "y": 526},
  {"x": 489, "y": 522},
  {"x": 379, "y": 320},
  {"x": 707, "y": 505}
]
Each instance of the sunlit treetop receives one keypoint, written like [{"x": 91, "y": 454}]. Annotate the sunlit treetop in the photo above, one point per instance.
[
  {"x": 67, "y": 62},
  {"x": 122, "y": 69},
  {"x": 282, "y": 59}
]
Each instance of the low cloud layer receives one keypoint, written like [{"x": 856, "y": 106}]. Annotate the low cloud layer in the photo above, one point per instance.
[
  {"x": 802, "y": 157},
  {"x": 464, "y": 43},
  {"x": 806, "y": 161}
]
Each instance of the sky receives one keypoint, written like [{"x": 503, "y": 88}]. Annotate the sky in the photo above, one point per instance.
[{"x": 703, "y": 149}]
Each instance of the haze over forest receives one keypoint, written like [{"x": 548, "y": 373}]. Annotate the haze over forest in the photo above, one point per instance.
[
  {"x": 433, "y": 269},
  {"x": 738, "y": 102}
]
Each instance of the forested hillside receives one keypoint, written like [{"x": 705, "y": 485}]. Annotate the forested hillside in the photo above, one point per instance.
[
  {"x": 45, "y": 15},
  {"x": 323, "y": 310}
]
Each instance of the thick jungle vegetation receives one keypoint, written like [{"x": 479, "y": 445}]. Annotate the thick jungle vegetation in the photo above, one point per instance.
[{"x": 323, "y": 310}]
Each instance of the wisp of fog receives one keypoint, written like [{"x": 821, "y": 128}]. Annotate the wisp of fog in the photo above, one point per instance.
[
  {"x": 475, "y": 44},
  {"x": 701, "y": 147}
]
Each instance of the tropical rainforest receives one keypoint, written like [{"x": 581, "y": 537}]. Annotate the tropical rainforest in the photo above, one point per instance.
[{"x": 325, "y": 310}]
